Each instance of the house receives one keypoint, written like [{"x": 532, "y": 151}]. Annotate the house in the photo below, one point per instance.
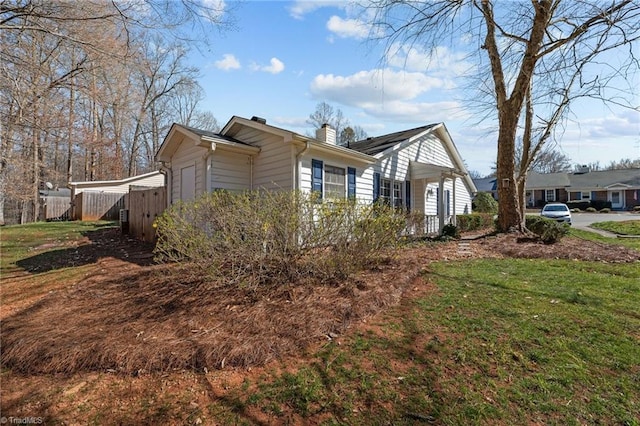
[
  {"x": 487, "y": 185},
  {"x": 617, "y": 189},
  {"x": 418, "y": 169},
  {"x": 93, "y": 200}
]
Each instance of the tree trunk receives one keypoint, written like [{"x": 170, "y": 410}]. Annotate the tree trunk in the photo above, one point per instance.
[{"x": 509, "y": 216}]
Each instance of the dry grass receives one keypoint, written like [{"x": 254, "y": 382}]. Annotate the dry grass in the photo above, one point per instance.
[{"x": 159, "y": 318}]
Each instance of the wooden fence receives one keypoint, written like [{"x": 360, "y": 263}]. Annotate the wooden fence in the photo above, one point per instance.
[
  {"x": 144, "y": 206},
  {"x": 55, "y": 208},
  {"x": 90, "y": 205}
]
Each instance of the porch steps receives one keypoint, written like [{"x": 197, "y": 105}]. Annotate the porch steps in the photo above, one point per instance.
[{"x": 464, "y": 248}]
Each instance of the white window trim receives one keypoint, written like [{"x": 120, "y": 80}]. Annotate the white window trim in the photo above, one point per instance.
[
  {"x": 546, "y": 195},
  {"x": 345, "y": 183}
]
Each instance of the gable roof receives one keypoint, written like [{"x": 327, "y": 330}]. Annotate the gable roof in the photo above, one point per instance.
[
  {"x": 234, "y": 125},
  {"x": 485, "y": 184},
  {"x": 200, "y": 137},
  {"x": 376, "y": 145}
]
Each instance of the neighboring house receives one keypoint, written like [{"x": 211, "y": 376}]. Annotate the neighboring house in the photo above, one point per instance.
[
  {"x": 487, "y": 185},
  {"x": 93, "y": 200},
  {"x": 621, "y": 188},
  {"x": 418, "y": 169}
]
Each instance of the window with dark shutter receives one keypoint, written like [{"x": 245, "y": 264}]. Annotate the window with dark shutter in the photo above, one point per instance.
[
  {"x": 376, "y": 186},
  {"x": 316, "y": 176},
  {"x": 351, "y": 182},
  {"x": 407, "y": 197}
]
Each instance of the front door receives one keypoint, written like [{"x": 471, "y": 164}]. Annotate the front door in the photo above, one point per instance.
[{"x": 616, "y": 199}]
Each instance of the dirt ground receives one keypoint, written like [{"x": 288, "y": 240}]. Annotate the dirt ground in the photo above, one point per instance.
[{"x": 129, "y": 317}]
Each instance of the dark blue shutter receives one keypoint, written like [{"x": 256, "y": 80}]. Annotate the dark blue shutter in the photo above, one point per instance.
[
  {"x": 438, "y": 201},
  {"x": 316, "y": 176},
  {"x": 448, "y": 200},
  {"x": 351, "y": 182},
  {"x": 407, "y": 194},
  {"x": 376, "y": 186}
]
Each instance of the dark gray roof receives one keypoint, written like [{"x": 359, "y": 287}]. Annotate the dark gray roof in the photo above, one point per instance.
[
  {"x": 577, "y": 181},
  {"x": 373, "y": 146},
  {"x": 547, "y": 180},
  {"x": 212, "y": 135},
  {"x": 485, "y": 184},
  {"x": 606, "y": 178}
]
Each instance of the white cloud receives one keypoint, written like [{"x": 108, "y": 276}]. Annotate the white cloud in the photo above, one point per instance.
[
  {"x": 300, "y": 8},
  {"x": 440, "y": 61},
  {"x": 373, "y": 86},
  {"x": 388, "y": 94},
  {"x": 348, "y": 28},
  {"x": 276, "y": 66},
  {"x": 415, "y": 112},
  {"x": 228, "y": 62}
]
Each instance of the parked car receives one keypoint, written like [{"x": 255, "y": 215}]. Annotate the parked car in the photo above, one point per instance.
[{"x": 557, "y": 211}]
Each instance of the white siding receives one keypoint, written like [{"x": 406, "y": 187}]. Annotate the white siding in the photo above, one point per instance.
[
  {"x": 273, "y": 167},
  {"x": 463, "y": 198},
  {"x": 364, "y": 175},
  {"x": 428, "y": 149},
  {"x": 119, "y": 186},
  {"x": 188, "y": 154},
  {"x": 230, "y": 171}
]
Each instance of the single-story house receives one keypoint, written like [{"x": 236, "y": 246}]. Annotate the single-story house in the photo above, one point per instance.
[
  {"x": 620, "y": 188},
  {"x": 418, "y": 169},
  {"x": 103, "y": 199}
]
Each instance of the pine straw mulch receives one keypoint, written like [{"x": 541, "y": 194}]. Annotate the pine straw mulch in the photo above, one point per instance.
[{"x": 159, "y": 318}]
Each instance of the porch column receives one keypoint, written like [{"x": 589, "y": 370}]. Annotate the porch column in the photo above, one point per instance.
[
  {"x": 454, "y": 219},
  {"x": 442, "y": 206}
]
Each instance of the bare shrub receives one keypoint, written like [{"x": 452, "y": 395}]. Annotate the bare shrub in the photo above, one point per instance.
[{"x": 254, "y": 238}]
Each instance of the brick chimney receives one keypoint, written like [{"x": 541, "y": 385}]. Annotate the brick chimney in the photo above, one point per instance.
[{"x": 326, "y": 134}]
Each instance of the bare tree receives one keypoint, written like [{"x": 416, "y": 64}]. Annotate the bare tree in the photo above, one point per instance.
[
  {"x": 625, "y": 163},
  {"x": 542, "y": 57},
  {"x": 82, "y": 85},
  {"x": 327, "y": 114}
]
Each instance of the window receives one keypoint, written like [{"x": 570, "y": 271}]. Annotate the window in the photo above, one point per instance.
[
  {"x": 385, "y": 191},
  {"x": 397, "y": 194},
  {"x": 334, "y": 185},
  {"x": 550, "y": 195}
]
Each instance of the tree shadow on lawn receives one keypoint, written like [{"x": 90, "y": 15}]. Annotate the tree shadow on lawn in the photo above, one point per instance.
[{"x": 104, "y": 242}]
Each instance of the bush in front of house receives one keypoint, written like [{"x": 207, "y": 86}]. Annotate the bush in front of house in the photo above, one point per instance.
[
  {"x": 548, "y": 230},
  {"x": 605, "y": 210},
  {"x": 450, "y": 231},
  {"x": 254, "y": 238},
  {"x": 485, "y": 203},
  {"x": 591, "y": 210},
  {"x": 475, "y": 221}
]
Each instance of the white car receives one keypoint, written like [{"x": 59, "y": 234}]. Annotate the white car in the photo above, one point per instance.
[{"x": 557, "y": 211}]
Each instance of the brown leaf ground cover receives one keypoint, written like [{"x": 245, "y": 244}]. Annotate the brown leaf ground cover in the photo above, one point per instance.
[{"x": 129, "y": 319}]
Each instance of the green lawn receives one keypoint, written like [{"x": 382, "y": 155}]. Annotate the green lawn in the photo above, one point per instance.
[
  {"x": 633, "y": 243},
  {"x": 627, "y": 227},
  {"x": 20, "y": 241},
  {"x": 497, "y": 341}
]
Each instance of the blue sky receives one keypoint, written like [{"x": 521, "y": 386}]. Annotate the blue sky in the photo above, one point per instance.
[{"x": 283, "y": 58}]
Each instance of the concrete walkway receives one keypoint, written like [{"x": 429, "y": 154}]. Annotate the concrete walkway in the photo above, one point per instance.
[{"x": 597, "y": 231}]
